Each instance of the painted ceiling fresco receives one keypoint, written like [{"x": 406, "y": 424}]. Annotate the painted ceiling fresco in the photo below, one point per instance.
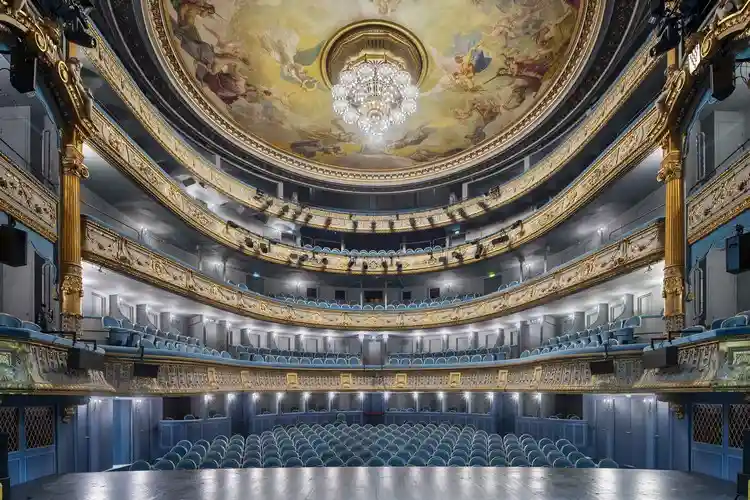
[{"x": 489, "y": 62}]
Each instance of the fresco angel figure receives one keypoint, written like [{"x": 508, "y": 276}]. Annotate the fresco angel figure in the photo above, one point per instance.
[
  {"x": 386, "y": 7},
  {"x": 281, "y": 44},
  {"x": 187, "y": 13},
  {"x": 459, "y": 69}
]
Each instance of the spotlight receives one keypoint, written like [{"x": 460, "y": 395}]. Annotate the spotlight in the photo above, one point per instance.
[
  {"x": 232, "y": 224},
  {"x": 480, "y": 250},
  {"x": 503, "y": 238},
  {"x": 457, "y": 255},
  {"x": 351, "y": 262},
  {"x": 265, "y": 247},
  {"x": 668, "y": 38}
]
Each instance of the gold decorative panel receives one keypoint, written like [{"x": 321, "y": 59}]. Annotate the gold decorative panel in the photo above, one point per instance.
[
  {"x": 24, "y": 197},
  {"x": 107, "y": 248},
  {"x": 112, "y": 70}
]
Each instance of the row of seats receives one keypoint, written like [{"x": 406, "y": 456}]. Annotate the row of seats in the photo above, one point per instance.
[
  {"x": 356, "y": 446},
  {"x": 283, "y": 356},
  {"x": 508, "y": 285},
  {"x": 396, "y": 305},
  {"x": 9, "y": 321},
  {"x": 451, "y": 357},
  {"x": 373, "y": 253}
]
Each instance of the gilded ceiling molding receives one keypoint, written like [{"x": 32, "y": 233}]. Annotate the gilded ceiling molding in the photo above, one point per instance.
[
  {"x": 112, "y": 143},
  {"x": 26, "y": 199},
  {"x": 111, "y": 69},
  {"x": 111, "y": 250},
  {"x": 33, "y": 366},
  {"x": 582, "y": 46},
  {"x": 723, "y": 198}
]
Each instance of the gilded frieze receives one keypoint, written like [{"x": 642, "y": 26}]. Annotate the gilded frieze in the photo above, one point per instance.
[
  {"x": 698, "y": 366},
  {"x": 107, "y": 248},
  {"x": 110, "y": 141},
  {"x": 23, "y": 197},
  {"x": 724, "y": 197},
  {"x": 110, "y": 67}
]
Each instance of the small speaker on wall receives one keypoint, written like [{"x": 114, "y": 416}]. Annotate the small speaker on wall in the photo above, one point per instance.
[
  {"x": 145, "y": 370},
  {"x": 85, "y": 359},
  {"x": 738, "y": 253},
  {"x": 603, "y": 367},
  {"x": 663, "y": 357},
  {"x": 12, "y": 246}
]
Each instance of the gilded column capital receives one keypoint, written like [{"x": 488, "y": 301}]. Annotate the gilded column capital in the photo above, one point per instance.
[{"x": 72, "y": 157}]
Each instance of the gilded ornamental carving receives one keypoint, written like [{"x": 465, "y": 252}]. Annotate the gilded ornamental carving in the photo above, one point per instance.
[
  {"x": 111, "y": 250},
  {"x": 24, "y": 198}
]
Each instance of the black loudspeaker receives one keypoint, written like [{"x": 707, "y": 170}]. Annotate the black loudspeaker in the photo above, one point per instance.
[
  {"x": 664, "y": 357},
  {"x": 604, "y": 367},
  {"x": 22, "y": 70},
  {"x": 738, "y": 253},
  {"x": 145, "y": 370},
  {"x": 722, "y": 76},
  {"x": 84, "y": 359},
  {"x": 12, "y": 246}
]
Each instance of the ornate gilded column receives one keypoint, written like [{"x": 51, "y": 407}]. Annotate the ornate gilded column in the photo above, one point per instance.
[
  {"x": 69, "y": 241},
  {"x": 670, "y": 173}
]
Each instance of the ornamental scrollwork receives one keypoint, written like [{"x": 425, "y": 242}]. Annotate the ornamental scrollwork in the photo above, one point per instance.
[{"x": 26, "y": 199}]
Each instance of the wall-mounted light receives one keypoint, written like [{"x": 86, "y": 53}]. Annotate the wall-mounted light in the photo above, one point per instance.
[
  {"x": 331, "y": 395},
  {"x": 386, "y": 395},
  {"x": 305, "y": 396},
  {"x": 361, "y": 337},
  {"x": 467, "y": 395},
  {"x": 515, "y": 397},
  {"x": 385, "y": 337},
  {"x": 608, "y": 402},
  {"x": 230, "y": 397},
  {"x": 415, "y": 394},
  {"x": 490, "y": 396},
  {"x": 207, "y": 398},
  {"x": 279, "y": 396},
  {"x": 538, "y": 396},
  {"x": 95, "y": 401},
  {"x": 256, "y": 396},
  {"x": 440, "y": 395},
  {"x": 571, "y": 316},
  {"x": 137, "y": 401},
  {"x": 361, "y": 396}
]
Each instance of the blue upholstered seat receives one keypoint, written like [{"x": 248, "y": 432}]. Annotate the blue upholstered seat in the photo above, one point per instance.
[{"x": 139, "y": 465}]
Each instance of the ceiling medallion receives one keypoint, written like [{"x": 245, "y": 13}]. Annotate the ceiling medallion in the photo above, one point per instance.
[{"x": 377, "y": 67}]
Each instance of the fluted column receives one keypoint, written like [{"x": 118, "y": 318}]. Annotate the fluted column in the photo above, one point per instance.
[
  {"x": 69, "y": 241},
  {"x": 673, "y": 291}
]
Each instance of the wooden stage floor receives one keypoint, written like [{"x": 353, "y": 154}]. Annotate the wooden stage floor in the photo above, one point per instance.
[{"x": 380, "y": 483}]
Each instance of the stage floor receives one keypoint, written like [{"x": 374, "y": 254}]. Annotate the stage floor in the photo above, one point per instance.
[{"x": 381, "y": 483}]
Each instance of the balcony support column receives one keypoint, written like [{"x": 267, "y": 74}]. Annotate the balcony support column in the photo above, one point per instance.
[
  {"x": 71, "y": 276},
  {"x": 670, "y": 173}
]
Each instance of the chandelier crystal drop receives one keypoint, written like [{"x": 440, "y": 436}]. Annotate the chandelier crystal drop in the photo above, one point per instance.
[{"x": 375, "y": 95}]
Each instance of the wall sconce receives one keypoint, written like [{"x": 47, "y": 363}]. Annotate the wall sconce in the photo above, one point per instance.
[
  {"x": 95, "y": 401},
  {"x": 415, "y": 394},
  {"x": 361, "y": 337},
  {"x": 279, "y": 396},
  {"x": 467, "y": 395},
  {"x": 207, "y": 398},
  {"x": 440, "y": 395},
  {"x": 361, "y": 396},
  {"x": 331, "y": 395},
  {"x": 256, "y": 396},
  {"x": 538, "y": 396},
  {"x": 305, "y": 396},
  {"x": 490, "y": 396},
  {"x": 230, "y": 397},
  {"x": 515, "y": 397},
  {"x": 386, "y": 395},
  {"x": 608, "y": 403}
]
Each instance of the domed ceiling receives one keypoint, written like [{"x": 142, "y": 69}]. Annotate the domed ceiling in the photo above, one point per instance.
[{"x": 255, "y": 70}]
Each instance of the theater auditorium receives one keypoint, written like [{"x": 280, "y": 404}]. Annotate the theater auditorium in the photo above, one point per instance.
[{"x": 374, "y": 249}]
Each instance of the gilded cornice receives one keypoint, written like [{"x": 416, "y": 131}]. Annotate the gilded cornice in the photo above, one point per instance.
[
  {"x": 723, "y": 198},
  {"x": 111, "y": 69},
  {"x": 582, "y": 47},
  {"x": 109, "y": 249},
  {"x": 111, "y": 142},
  {"x": 26, "y": 199}
]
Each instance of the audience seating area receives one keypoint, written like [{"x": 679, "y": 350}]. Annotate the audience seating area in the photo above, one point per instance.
[
  {"x": 264, "y": 355},
  {"x": 337, "y": 445},
  {"x": 373, "y": 253},
  {"x": 486, "y": 355},
  {"x": 414, "y": 304},
  {"x": 123, "y": 332}
]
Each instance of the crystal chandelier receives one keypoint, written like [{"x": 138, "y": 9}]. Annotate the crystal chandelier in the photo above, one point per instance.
[{"x": 374, "y": 94}]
